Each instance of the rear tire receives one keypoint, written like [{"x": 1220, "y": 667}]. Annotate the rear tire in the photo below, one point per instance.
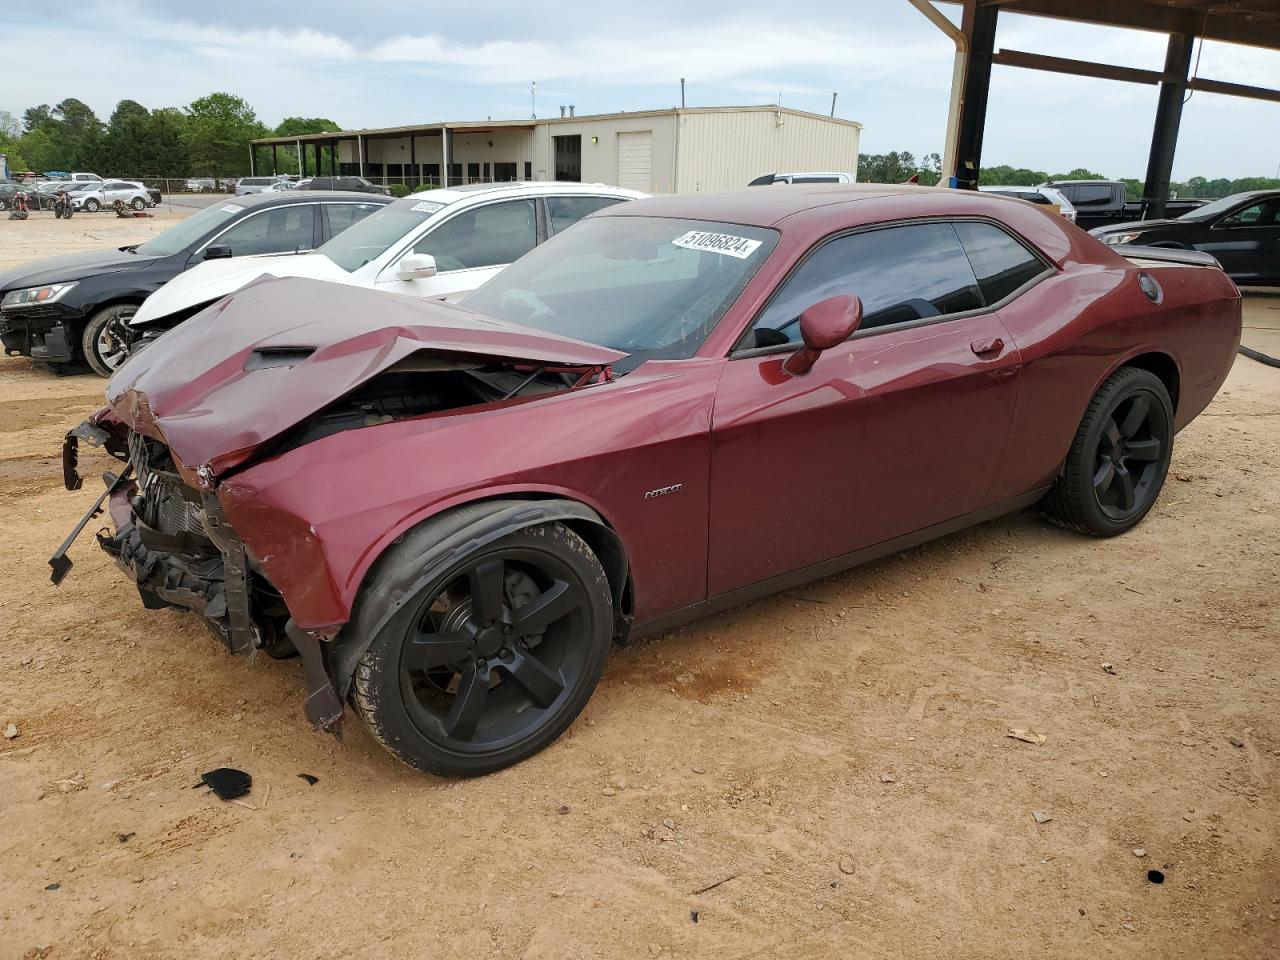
[
  {"x": 489, "y": 661},
  {"x": 103, "y": 340},
  {"x": 1119, "y": 457},
  {"x": 138, "y": 203}
]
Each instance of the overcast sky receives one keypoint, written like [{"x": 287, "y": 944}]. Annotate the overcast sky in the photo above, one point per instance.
[{"x": 397, "y": 62}]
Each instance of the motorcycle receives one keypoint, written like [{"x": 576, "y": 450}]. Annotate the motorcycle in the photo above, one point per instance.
[
  {"x": 19, "y": 209},
  {"x": 62, "y": 208}
]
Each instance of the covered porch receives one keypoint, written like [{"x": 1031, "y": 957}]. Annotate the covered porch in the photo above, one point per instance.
[{"x": 421, "y": 156}]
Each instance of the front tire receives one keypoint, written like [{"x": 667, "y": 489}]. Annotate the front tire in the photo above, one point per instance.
[
  {"x": 492, "y": 659},
  {"x": 104, "y": 342},
  {"x": 138, "y": 203},
  {"x": 92, "y": 206},
  {"x": 1119, "y": 457}
]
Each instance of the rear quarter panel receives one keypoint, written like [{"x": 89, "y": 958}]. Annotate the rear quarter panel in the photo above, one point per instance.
[{"x": 1077, "y": 328}]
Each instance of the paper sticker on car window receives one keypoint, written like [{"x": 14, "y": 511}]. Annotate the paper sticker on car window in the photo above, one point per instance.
[
  {"x": 722, "y": 243},
  {"x": 427, "y": 206},
  {"x": 231, "y": 208}
]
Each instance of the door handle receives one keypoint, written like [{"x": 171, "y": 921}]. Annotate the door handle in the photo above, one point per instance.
[{"x": 987, "y": 346}]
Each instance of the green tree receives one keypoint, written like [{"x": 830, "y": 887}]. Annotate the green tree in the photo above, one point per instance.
[
  {"x": 218, "y": 130},
  {"x": 126, "y": 146},
  {"x": 40, "y": 151}
]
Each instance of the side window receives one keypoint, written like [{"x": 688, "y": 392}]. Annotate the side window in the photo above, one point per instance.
[
  {"x": 901, "y": 273},
  {"x": 1263, "y": 214},
  {"x": 566, "y": 211},
  {"x": 486, "y": 236},
  {"x": 343, "y": 215},
  {"x": 815, "y": 179},
  {"x": 275, "y": 231},
  {"x": 1001, "y": 263}
]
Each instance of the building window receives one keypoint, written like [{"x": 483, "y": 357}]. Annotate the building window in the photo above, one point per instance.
[
  {"x": 431, "y": 171},
  {"x": 455, "y": 173},
  {"x": 504, "y": 172},
  {"x": 528, "y": 169},
  {"x": 473, "y": 172}
]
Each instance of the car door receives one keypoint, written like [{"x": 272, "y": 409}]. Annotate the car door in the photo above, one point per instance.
[
  {"x": 469, "y": 248},
  {"x": 899, "y": 428},
  {"x": 1247, "y": 241}
]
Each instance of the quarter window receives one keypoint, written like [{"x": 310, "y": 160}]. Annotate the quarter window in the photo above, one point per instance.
[
  {"x": 1001, "y": 263},
  {"x": 343, "y": 215},
  {"x": 487, "y": 236},
  {"x": 566, "y": 211},
  {"x": 275, "y": 231},
  {"x": 901, "y": 273}
]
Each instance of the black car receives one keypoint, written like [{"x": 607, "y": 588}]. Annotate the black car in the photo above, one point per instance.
[
  {"x": 66, "y": 308},
  {"x": 358, "y": 184},
  {"x": 1242, "y": 231}
]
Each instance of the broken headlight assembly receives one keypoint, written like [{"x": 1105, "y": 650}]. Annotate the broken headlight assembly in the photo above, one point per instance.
[{"x": 34, "y": 296}]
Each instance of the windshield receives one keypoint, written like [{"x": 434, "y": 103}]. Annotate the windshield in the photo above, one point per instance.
[
  {"x": 189, "y": 230},
  {"x": 650, "y": 287},
  {"x": 363, "y": 241},
  {"x": 1211, "y": 210}
]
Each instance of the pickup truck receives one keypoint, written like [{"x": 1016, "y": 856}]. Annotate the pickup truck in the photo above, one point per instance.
[{"x": 1101, "y": 202}]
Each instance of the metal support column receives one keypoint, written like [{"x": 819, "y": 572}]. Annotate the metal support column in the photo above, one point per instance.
[
  {"x": 253, "y": 160},
  {"x": 275, "y": 161},
  {"x": 413, "y": 160},
  {"x": 979, "y": 26},
  {"x": 1164, "y": 137},
  {"x": 360, "y": 152},
  {"x": 444, "y": 156}
]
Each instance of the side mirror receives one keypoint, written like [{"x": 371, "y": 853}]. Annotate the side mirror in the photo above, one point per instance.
[
  {"x": 823, "y": 326},
  {"x": 416, "y": 266},
  {"x": 218, "y": 251}
]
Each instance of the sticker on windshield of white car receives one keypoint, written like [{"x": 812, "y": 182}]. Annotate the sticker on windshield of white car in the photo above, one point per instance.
[
  {"x": 722, "y": 243},
  {"x": 231, "y": 208},
  {"x": 427, "y": 206}
]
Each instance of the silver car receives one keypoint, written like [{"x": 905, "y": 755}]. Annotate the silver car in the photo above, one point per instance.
[
  {"x": 256, "y": 185},
  {"x": 1045, "y": 196},
  {"x": 94, "y": 196}
]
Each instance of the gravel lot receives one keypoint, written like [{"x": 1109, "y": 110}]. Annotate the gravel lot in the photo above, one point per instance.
[{"x": 825, "y": 773}]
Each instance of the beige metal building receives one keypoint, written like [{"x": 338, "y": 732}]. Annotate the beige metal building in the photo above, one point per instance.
[{"x": 677, "y": 150}]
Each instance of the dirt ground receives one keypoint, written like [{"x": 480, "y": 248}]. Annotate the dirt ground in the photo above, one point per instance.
[{"x": 825, "y": 773}]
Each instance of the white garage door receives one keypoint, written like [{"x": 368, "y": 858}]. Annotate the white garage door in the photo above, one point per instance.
[{"x": 635, "y": 160}]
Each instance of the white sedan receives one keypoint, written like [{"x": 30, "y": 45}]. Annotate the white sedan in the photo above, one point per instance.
[
  {"x": 439, "y": 244},
  {"x": 93, "y": 197}
]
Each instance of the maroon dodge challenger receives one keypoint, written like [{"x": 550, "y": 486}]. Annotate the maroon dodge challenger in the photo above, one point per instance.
[{"x": 678, "y": 405}]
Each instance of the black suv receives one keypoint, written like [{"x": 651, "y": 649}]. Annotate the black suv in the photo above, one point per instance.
[
  {"x": 357, "y": 184},
  {"x": 77, "y": 306}
]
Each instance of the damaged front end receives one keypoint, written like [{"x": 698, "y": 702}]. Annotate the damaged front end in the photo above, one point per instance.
[{"x": 175, "y": 544}]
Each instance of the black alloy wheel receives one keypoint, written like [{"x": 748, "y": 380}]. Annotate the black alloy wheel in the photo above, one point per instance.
[
  {"x": 493, "y": 659},
  {"x": 1119, "y": 458}
]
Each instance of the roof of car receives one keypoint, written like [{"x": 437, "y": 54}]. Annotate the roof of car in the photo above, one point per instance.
[
  {"x": 450, "y": 194},
  {"x": 767, "y": 208},
  {"x": 306, "y": 196}
]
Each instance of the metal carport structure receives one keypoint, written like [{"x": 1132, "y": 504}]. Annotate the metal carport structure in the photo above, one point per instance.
[{"x": 1254, "y": 23}]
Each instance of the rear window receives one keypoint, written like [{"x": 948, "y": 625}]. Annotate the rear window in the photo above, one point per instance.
[{"x": 1089, "y": 194}]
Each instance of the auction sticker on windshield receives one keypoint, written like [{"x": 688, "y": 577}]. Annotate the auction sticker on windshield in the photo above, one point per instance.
[
  {"x": 231, "y": 208},
  {"x": 427, "y": 206},
  {"x": 722, "y": 243}
]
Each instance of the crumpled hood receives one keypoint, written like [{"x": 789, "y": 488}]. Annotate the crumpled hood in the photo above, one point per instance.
[
  {"x": 264, "y": 359},
  {"x": 214, "y": 279},
  {"x": 72, "y": 266}
]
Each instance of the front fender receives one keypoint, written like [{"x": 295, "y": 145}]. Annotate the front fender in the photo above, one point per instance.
[{"x": 447, "y": 537}]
